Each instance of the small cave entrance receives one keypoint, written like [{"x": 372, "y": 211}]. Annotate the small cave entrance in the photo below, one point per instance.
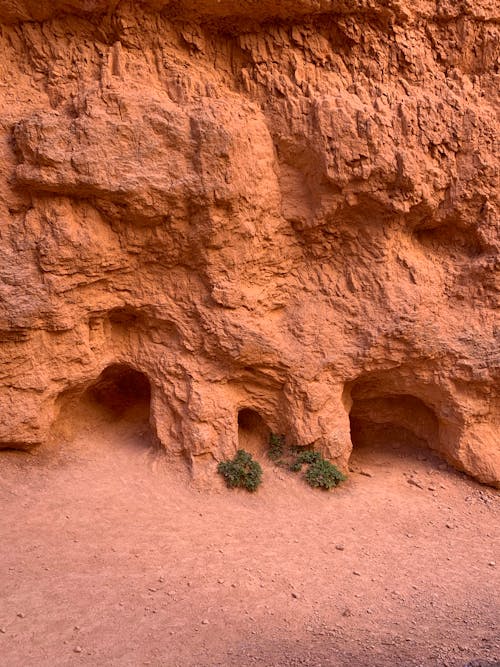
[
  {"x": 253, "y": 433},
  {"x": 113, "y": 410},
  {"x": 385, "y": 425},
  {"x": 123, "y": 393}
]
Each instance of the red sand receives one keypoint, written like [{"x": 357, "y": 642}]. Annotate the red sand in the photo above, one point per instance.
[{"x": 110, "y": 557}]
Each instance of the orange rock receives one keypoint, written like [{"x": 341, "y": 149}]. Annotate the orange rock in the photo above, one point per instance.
[{"x": 285, "y": 207}]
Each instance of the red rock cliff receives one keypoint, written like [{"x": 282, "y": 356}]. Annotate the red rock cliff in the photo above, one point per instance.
[{"x": 288, "y": 206}]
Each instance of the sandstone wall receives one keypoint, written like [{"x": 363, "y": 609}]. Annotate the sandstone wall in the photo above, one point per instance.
[{"x": 287, "y": 206}]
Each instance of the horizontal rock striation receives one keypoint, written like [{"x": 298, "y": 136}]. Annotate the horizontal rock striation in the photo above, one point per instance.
[{"x": 284, "y": 207}]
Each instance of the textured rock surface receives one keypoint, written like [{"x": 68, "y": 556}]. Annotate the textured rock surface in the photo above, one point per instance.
[{"x": 289, "y": 207}]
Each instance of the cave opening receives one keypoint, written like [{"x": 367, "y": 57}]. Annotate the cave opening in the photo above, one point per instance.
[
  {"x": 113, "y": 411},
  {"x": 385, "y": 423},
  {"x": 122, "y": 392},
  {"x": 253, "y": 432}
]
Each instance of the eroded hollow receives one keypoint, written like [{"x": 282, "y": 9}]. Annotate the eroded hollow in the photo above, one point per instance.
[
  {"x": 253, "y": 432},
  {"x": 113, "y": 410},
  {"x": 123, "y": 392},
  {"x": 392, "y": 421}
]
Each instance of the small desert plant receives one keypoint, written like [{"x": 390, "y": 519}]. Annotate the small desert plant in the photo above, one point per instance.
[
  {"x": 276, "y": 446},
  {"x": 242, "y": 472},
  {"x": 323, "y": 474},
  {"x": 304, "y": 456},
  {"x": 320, "y": 473}
]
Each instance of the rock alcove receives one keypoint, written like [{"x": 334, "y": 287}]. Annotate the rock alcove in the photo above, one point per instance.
[
  {"x": 115, "y": 407},
  {"x": 253, "y": 432},
  {"x": 123, "y": 393},
  {"x": 393, "y": 421}
]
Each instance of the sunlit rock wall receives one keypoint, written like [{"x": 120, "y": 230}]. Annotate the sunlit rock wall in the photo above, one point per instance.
[{"x": 283, "y": 206}]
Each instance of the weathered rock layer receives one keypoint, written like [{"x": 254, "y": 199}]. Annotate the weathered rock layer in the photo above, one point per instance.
[{"x": 285, "y": 207}]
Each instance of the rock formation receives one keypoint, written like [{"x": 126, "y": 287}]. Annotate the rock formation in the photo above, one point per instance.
[{"x": 280, "y": 206}]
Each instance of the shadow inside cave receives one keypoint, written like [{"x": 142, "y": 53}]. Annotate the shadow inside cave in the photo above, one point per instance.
[
  {"x": 122, "y": 392},
  {"x": 113, "y": 411},
  {"x": 253, "y": 433},
  {"x": 391, "y": 425}
]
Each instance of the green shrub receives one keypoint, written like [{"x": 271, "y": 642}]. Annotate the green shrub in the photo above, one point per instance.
[
  {"x": 323, "y": 474},
  {"x": 320, "y": 473},
  {"x": 308, "y": 456},
  {"x": 242, "y": 472},
  {"x": 304, "y": 456},
  {"x": 276, "y": 446}
]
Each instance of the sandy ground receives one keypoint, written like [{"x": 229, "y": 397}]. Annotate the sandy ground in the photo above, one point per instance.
[{"x": 110, "y": 557}]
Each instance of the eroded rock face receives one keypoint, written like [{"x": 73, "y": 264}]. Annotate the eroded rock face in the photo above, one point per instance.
[{"x": 284, "y": 207}]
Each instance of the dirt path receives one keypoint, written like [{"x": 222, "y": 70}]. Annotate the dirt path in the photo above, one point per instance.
[{"x": 109, "y": 557}]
